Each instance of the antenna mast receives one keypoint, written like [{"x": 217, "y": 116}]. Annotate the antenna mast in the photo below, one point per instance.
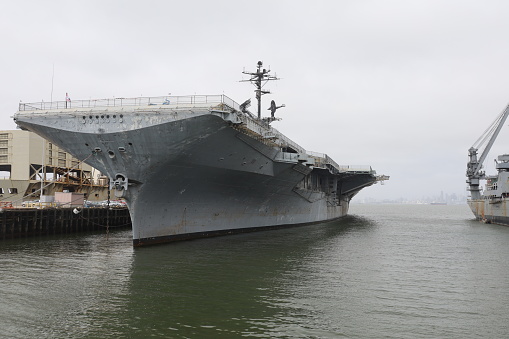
[{"x": 261, "y": 75}]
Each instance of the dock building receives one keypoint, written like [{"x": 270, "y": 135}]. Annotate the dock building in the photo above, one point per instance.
[{"x": 29, "y": 162}]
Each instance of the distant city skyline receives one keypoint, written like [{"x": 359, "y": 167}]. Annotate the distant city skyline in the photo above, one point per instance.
[{"x": 447, "y": 198}]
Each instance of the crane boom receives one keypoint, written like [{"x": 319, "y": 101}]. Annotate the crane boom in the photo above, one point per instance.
[{"x": 474, "y": 165}]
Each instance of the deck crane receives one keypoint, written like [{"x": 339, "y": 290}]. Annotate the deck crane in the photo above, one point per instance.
[{"x": 474, "y": 165}]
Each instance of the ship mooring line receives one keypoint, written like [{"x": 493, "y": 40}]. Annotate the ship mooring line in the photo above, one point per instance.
[{"x": 106, "y": 226}]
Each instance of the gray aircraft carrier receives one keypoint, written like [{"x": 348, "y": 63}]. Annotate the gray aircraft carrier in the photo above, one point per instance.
[{"x": 197, "y": 166}]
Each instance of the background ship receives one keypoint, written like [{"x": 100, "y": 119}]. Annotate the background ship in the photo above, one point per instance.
[
  {"x": 489, "y": 206},
  {"x": 198, "y": 166}
]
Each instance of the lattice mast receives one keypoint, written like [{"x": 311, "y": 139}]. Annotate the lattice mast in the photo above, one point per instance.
[{"x": 259, "y": 79}]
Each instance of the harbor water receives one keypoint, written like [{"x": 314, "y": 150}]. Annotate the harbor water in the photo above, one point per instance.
[{"x": 385, "y": 271}]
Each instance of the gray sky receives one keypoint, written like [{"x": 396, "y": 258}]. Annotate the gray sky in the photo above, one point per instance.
[{"x": 404, "y": 86}]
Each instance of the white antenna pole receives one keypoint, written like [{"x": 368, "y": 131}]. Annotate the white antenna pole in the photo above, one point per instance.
[{"x": 52, "y": 78}]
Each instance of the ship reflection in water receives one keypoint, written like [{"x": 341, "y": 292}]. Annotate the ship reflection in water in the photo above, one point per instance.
[{"x": 395, "y": 271}]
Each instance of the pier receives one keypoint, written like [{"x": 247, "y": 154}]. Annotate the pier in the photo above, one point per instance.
[{"x": 29, "y": 222}]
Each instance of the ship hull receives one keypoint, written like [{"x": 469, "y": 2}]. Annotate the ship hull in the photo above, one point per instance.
[
  {"x": 195, "y": 175},
  {"x": 493, "y": 211},
  {"x": 220, "y": 202}
]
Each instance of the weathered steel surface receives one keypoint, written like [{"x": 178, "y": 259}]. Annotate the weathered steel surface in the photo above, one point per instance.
[
  {"x": 492, "y": 206},
  {"x": 492, "y": 211},
  {"x": 196, "y": 171}
]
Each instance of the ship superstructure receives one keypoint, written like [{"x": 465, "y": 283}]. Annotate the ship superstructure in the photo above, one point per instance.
[
  {"x": 196, "y": 166},
  {"x": 490, "y": 205}
]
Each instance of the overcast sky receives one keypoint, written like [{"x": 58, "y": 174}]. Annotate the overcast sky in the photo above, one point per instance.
[{"x": 404, "y": 86}]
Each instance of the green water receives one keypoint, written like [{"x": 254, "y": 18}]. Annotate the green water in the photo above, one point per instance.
[{"x": 385, "y": 271}]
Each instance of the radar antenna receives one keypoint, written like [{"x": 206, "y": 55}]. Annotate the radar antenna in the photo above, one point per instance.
[
  {"x": 245, "y": 105},
  {"x": 273, "y": 109},
  {"x": 257, "y": 78}
]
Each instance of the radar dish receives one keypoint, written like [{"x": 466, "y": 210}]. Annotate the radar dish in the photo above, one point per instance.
[{"x": 273, "y": 108}]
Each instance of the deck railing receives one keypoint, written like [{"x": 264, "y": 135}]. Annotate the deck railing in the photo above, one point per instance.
[
  {"x": 322, "y": 159},
  {"x": 139, "y": 101}
]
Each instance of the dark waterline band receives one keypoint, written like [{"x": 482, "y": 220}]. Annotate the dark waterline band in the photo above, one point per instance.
[{"x": 209, "y": 234}]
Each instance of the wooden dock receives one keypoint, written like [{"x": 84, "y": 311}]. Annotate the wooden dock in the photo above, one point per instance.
[{"x": 20, "y": 223}]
